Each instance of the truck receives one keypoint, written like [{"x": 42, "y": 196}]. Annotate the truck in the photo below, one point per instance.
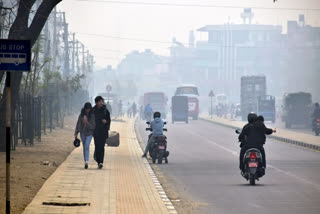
[
  {"x": 267, "y": 107},
  {"x": 252, "y": 87},
  {"x": 179, "y": 108},
  {"x": 297, "y": 109}
]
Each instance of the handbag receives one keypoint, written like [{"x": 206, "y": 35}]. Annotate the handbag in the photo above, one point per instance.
[{"x": 114, "y": 139}]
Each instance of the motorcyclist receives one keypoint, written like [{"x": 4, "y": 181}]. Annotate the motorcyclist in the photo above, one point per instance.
[
  {"x": 157, "y": 130},
  {"x": 253, "y": 136},
  {"x": 148, "y": 112},
  {"x": 316, "y": 114}
]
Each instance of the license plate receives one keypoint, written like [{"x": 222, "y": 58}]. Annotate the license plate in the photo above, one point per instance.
[
  {"x": 253, "y": 164},
  {"x": 161, "y": 147}
]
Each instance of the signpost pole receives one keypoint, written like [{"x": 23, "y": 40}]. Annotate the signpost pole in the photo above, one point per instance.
[
  {"x": 15, "y": 56},
  {"x": 8, "y": 140},
  {"x": 211, "y": 108},
  {"x": 211, "y": 94}
]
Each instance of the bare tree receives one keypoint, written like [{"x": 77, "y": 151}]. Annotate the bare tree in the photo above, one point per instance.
[{"x": 21, "y": 29}]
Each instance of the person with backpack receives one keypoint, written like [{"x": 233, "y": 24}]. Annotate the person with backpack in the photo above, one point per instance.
[{"x": 85, "y": 126}]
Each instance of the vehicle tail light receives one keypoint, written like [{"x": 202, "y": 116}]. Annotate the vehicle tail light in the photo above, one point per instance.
[
  {"x": 318, "y": 120},
  {"x": 253, "y": 155}
]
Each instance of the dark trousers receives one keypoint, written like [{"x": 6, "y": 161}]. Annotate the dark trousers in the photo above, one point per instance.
[
  {"x": 99, "y": 143},
  {"x": 243, "y": 151}
]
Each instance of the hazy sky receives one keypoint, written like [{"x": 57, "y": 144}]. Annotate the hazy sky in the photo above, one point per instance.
[{"x": 162, "y": 23}]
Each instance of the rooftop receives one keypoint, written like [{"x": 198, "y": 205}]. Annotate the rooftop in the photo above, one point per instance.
[{"x": 251, "y": 27}]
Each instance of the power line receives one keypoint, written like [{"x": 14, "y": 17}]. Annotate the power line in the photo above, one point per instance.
[
  {"x": 186, "y": 44},
  {"x": 200, "y": 5}
]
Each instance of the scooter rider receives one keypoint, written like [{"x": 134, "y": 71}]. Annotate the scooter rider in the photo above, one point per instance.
[
  {"x": 316, "y": 114},
  {"x": 157, "y": 130},
  {"x": 148, "y": 112},
  {"x": 253, "y": 136}
]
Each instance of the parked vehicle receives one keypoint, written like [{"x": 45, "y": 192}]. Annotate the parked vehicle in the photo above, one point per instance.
[
  {"x": 158, "y": 150},
  {"x": 179, "y": 108},
  {"x": 191, "y": 92}
]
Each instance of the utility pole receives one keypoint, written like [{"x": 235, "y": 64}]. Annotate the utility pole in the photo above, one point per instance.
[
  {"x": 66, "y": 70},
  {"x": 54, "y": 38},
  {"x": 73, "y": 52},
  {"x": 83, "y": 59},
  {"x": 78, "y": 67}
]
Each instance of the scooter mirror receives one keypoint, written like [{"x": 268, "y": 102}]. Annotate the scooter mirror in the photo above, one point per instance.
[
  {"x": 165, "y": 123},
  {"x": 237, "y": 131},
  {"x": 148, "y": 122}
]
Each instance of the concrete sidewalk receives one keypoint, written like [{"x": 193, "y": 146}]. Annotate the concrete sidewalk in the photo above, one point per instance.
[
  {"x": 297, "y": 138},
  {"x": 126, "y": 184}
]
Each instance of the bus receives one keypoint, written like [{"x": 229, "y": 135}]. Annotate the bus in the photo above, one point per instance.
[
  {"x": 158, "y": 102},
  {"x": 16, "y": 58},
  {"x": 191, "y": 91}
]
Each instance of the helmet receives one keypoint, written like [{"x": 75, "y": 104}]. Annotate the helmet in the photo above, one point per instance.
[
  {"x": 252, "y": 117},
  {"x": 76, "y": 142},
  {"x": 260, "y": 118},
  {"x": 156, "y": 114}
]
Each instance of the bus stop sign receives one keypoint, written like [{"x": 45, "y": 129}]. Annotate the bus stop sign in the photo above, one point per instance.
[{"x": 15, "y": 55}]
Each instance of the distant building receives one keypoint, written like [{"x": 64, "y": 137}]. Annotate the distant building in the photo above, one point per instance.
[
  {"x": 231, "y": 50},
  {"x": 301, "y": 58},
  {"x": 291, "y": 61}
]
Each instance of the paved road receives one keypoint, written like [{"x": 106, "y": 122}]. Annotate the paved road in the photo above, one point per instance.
[{"x": 204, "y": 161}]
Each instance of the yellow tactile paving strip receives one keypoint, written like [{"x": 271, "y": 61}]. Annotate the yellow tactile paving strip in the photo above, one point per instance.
[{"x": 124, "y": 185}]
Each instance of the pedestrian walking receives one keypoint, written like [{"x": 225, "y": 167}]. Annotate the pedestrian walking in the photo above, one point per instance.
[
  {"x": 120, "y": 109},
  {"x": 103, "y": 121},
  {"x": 134, "y": 109},
  {"x": 108, "y": 106},
  {"x": 85, "y": 125}
]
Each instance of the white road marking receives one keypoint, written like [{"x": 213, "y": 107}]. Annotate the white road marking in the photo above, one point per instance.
[
  {"x": 235, "y": 153},
  {"x": 254, "y": 205}
]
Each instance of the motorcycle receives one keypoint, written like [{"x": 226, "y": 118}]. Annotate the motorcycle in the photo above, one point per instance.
[
  {"x": 158, "y": 149},
  {"x": 253, "y": 166},
  {"x": 316, "y": 126}
]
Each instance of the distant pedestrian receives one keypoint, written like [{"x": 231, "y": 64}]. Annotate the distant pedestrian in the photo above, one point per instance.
[
  {"x": 120, "y": 109},
  {"x": 134, "y": 109},
  {"x": 85, "y": 125},
  {"x": 103, "y": 121},
  {"x": 108, "y": 106}
]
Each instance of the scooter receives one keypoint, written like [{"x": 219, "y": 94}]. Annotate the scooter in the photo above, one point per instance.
[
  {"x": 316, "y": 126},
  {"x": 158, "y": 149},
  {"x": 253, "y": 166}
]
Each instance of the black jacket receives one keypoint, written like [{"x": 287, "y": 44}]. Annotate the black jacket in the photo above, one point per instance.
[
  {"x": 99, "y": 115},
  {"x": 254, "y": 134}
]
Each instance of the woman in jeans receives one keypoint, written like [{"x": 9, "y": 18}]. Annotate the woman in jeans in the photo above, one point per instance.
[{"x": 85, "y": 125}]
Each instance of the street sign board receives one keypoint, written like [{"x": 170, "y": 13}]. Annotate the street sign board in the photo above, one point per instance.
[
  {"x": 108, "y": 88},
  {"x": 15, "y": 55}
]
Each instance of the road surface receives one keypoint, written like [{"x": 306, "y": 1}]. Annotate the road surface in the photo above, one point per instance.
[{"x": 204, "y": 162}]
